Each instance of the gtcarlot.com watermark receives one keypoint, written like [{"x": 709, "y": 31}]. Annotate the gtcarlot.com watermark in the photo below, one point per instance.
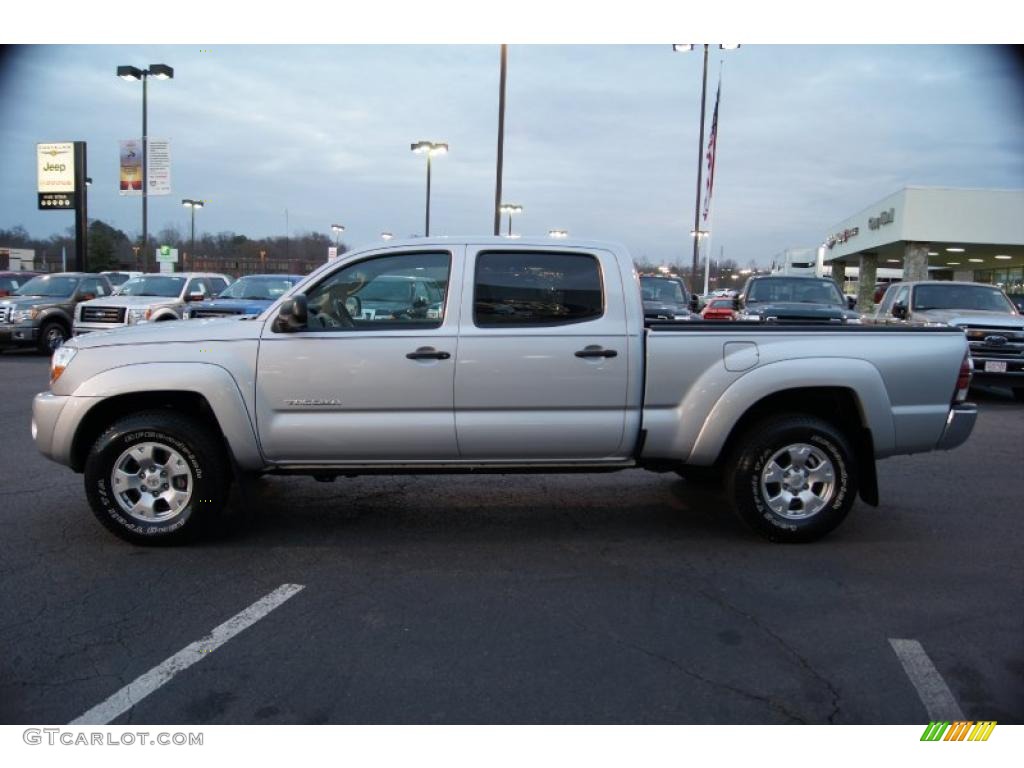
[{"x": 62, "y": 737}]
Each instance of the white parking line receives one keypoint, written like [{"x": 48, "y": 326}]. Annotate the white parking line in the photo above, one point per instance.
[
  {"x": 142, "y": 686},
  {"x": 934, "y": 693}
]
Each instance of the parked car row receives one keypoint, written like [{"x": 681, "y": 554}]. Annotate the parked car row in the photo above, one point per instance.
[{"x": 45, "y": 310}]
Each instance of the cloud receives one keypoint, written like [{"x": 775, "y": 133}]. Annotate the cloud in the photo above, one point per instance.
[{"x": 601, "y": 140}]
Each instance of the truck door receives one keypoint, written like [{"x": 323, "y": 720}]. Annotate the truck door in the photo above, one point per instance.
[
  {"x": 371, "y": 377},
  {"x": 542, "y": 366}
]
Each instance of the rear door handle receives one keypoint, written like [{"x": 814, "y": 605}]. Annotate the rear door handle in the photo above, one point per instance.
[
  {"x": 596, "y": 351},
  {"x": 428, "y": 353}
]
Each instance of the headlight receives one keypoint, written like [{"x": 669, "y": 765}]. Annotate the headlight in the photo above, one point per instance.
[
  {"x": 854, "y": 321},
  {"x": 60, "y": 361},
  {"x": 138, "y": 315},
  {"x": 21, "y": 315},
  {"x": 749, "y": 318},
  {"x": 687, "y": 316}
]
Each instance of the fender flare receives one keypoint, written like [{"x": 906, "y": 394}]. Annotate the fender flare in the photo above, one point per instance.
[
  {"x": 162, "y": 314},
  {"x": 211, "y": 381},
  {"x": 860, "y": 376}
]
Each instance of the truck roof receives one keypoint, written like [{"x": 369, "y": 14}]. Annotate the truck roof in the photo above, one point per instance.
[{"x": 501, "y": 240}]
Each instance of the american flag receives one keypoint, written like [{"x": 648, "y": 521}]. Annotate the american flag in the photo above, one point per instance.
[{"x": 712, "y": 146}]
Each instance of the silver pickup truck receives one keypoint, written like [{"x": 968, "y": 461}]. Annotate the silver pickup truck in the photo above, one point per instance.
[{"x": 508, "y": 356}]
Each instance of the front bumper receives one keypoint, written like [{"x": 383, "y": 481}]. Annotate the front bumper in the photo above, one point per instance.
[
  {"x": 959, "y": 424},
  {"x": 18, "y": 335},
  {"x": 46, "y": 411}
]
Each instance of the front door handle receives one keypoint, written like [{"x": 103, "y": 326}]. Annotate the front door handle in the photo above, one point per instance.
[
  {"x": 428, "y": 353},
  {"x": 596, "y": 351}
]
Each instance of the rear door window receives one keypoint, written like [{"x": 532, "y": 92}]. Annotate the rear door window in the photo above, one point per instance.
[{"x": 536, "y": 288}]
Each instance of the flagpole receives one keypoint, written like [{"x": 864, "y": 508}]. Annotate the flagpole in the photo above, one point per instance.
[{"x": 712, "y": 158}]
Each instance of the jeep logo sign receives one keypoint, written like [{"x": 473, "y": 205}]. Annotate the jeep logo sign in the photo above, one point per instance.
[{"x": 56, "y": 165}]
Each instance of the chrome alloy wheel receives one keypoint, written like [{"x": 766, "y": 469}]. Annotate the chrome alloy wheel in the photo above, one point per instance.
[
  {"x": 798, "y": 481},
  {"x": 54, "y": 338},
  {"x": 151, "y": 482}
]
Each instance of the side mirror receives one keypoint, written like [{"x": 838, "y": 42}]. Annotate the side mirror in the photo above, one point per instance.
[
  {"x": 851, "y": 302},
  {"x": 899, "y": 310},
  {"x": 694, "y": 303},
  {"x": 737, "y": 304},
  {"x": 87, "y": 297},
  {"x": 196, "y": 297},
  {"x": 292, "y": 316}
]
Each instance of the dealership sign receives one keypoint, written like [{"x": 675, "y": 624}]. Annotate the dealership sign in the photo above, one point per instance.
[
  {"x": 841, "y": 237},
  {"x": 885, "y": 217},
  {"x": 55, "y": 165}
]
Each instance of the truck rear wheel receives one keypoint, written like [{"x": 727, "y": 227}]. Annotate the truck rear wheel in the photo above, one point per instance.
[
  {"x": 792, "y": 478},
  {"x": 157, "y": 477}
]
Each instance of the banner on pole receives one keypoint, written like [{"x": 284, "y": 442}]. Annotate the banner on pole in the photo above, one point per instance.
[
  {"x": 131, "y": 167},
  {"x": 158, "y": 160}
]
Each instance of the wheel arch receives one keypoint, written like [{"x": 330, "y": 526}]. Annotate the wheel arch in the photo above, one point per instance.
[{"x": 205, "y": 391}]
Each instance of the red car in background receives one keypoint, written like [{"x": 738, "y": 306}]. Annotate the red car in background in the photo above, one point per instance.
[
  {"x": 12, "y": 281},
  {"x": 719, "y": 308}
]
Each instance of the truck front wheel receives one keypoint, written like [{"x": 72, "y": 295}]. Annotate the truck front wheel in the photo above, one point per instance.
[
  {"x": 792, "y": 478},
  {"x": 51, "y": 336},
  {"x": 157, "y": 477}
]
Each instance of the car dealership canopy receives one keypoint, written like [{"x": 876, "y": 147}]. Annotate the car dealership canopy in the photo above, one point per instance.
[{"x": 931, "y": 232}]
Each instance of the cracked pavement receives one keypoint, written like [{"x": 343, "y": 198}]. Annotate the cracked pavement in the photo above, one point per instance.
[{"x": 618, "y": 598}]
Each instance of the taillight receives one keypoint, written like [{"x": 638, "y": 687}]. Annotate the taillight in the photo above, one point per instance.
[{"x": 963, "y": 381}]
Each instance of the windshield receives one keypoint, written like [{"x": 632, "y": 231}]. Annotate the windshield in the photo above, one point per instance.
[
  {"x": 803, "y": 291},
  {"x": 955, "y": 296},
  {"x": 268, "y": 288},
  {"x": 153, "y": 285},
  {"x": 48, "y": 285},
  {"x": 661, "y": 289}
]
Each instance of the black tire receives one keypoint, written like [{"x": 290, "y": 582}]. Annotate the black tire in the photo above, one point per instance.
[
  {"x": 703, "y": 476},
  {"x": 1018, "y": 394},
  {"x": 203, "y": 455},
  {"x": 52, "y": 334},
  {"x": 769, "y": 441}
]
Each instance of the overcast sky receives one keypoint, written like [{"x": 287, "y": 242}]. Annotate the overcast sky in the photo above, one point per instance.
[{"x": 600, "y": 140}]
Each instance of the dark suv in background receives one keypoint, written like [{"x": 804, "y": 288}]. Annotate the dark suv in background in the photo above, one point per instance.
[
  {"x": 39, "y": 313},
  {"x": 791, "y": 299},
  {"x": 666, "y": 298}
]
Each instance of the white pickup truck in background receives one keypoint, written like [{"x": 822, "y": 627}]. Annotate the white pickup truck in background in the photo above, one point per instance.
[{"x": 508, "y": 356}]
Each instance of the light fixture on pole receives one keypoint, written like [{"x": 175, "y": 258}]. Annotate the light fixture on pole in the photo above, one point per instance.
[
  {"x": 429, "y": 148},
  {"x": 386, "y": 235},
  {"x": 337, "y": 229},
  {"x": 558, "y": 234},
  {"x": 681, "y": 48},
  {"x": 160, "y": 72},
  {"x": 193, "y": 204},
  {"x": 511, "y": 209}
]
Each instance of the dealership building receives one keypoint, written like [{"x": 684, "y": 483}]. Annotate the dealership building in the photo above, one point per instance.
[{"x": 933, "y": 233}]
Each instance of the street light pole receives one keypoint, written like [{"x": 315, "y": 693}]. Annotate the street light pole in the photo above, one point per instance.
[
  {"x": 427, "y": 225},
  {"x": 501, "y": 140},
  {"x": 160, "y": 72},
  {"x": 193, "y": 204},
  {"x": 430, "y": 148},
  {"x": 510, "y": 208}
]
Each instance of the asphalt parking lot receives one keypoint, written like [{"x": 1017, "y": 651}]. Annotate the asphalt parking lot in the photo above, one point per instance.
[{"x": 621, "y": 598}]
